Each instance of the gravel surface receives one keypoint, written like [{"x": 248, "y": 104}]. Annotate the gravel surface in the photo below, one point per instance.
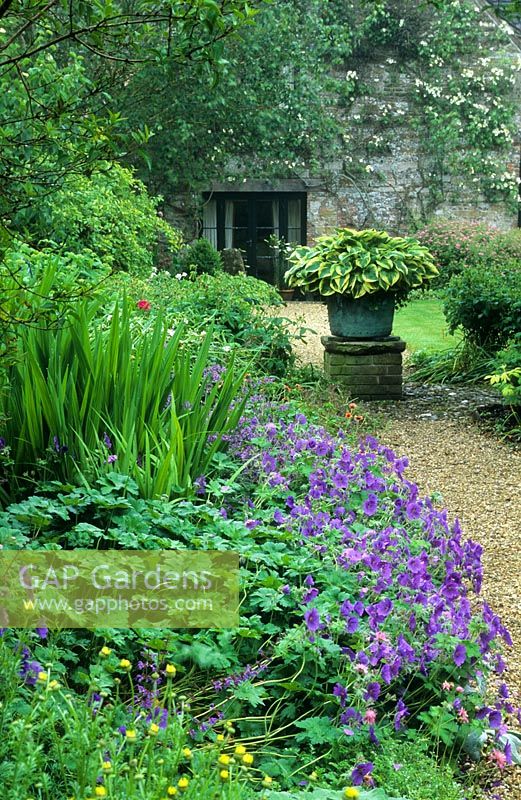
[{"x": 478, "y": 477}]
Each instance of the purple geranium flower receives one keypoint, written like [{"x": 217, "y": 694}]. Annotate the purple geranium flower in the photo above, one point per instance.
[
  {"x": 60, "y": 448},
  {"x": 29, "y": 671},
  {"x": 413, "y": 510},
  {"x": 401, "y": 712},
  {"x": 352, "y": 624},
  {"x": 312, "y": 619},
  {"x": 460, "y": 655},
  {"x": 495, "y": 719},
  {"x": 360, "y": 772},
  {"x": 373, "y": 691},
  {"x": 200, "y": 484},
  {"x": 310, "y": 595},
  {"x": 370, "y": 505}
]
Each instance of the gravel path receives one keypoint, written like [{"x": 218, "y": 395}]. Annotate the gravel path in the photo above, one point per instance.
[{"x": 478, "y": 477}]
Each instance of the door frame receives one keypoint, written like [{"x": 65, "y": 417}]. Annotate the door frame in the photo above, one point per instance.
[{"x": 252, "y": 197}]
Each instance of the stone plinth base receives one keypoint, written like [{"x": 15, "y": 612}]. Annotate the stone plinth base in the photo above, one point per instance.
[{"x": 369, "y": 369}]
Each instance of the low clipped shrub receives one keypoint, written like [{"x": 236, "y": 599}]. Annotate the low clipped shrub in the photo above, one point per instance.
[
  {"x": 198, "y": 258},
  {"x": 486, "y": 304}
]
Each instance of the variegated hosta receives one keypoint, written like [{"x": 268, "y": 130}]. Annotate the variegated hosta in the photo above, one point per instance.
[{"x": 356, "y": 263}]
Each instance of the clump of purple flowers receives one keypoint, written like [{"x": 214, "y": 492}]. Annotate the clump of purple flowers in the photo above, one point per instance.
[{"x": 408, "y": 613}]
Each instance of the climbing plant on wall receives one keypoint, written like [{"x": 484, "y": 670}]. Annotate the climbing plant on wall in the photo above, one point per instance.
[
  {"x": 293, "y": 98},
  {"x": 461, "y": 67},
  {"x": 466, "y": 99}
]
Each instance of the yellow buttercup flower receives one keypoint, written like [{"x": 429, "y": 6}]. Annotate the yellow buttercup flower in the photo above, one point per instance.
[
  {"x": 154, "y": 729},
  {"x": 247, "y": 759},
  {"x": 125, "y": 664},
  {"x": 351, "y": 792},
  {"x": 224, "y": 774},
  {"x": 105, "y": 651},
  {"x": 171, "y": 791},
  {"x": 183, "y": 783},
  {"x": 240, "y": 750},
  {"x": 100, "y": 791},
  {"x": 313, "y": 776},
  {"x": 187, "y": 753},
  {"x": 131, "y": 734},
  {"x": 106, "y": 766},
  {"x": 42, "y": 677},
  {"x": 224, "y": 759},
  {"x": 267, "y": 781},
  {"x": 170, "y": 670},
  {"x": 54, "y": 685},
  {"x": 220, "y": 737}
]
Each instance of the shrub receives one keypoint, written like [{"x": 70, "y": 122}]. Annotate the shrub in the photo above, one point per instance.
[
  {"x": 503, "y": 246},
  {"x": 198, "y": 258},
  {"x": 510, "y": 357},
  {"x": 506, "y": 376},
  {"x": 240, "y": 306},
  {"x": 486, "y": 303},
  {"x": 457, "y": 244},
  {"x": 240, "y": 309},
  {"x": 109, "y": 213},
  {"x": 452, "y": 242}
]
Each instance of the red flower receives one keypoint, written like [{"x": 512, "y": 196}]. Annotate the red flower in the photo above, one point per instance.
[{"x": 144, "y": 305}]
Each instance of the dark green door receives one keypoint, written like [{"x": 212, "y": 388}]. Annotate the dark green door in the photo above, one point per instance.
[{"x": 247, "y": 220}]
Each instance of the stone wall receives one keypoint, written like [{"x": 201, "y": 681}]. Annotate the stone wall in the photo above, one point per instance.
[
  {"x": 385, "y": 177},
  {"x": 389, "y": 187}
]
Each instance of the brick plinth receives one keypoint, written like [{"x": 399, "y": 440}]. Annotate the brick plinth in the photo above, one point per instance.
[{"x": 371, "y": 369}]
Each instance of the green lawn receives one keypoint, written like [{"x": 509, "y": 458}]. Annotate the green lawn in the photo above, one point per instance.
[{"x": 422, "y": 325}]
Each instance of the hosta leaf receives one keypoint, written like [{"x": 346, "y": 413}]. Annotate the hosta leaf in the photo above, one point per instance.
[{"x": 371, "y": 275}]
